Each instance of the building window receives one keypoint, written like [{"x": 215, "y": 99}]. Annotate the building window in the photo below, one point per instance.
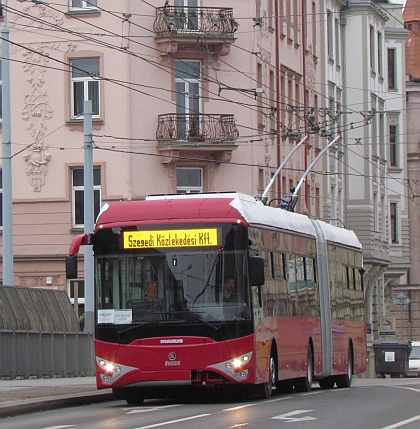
[
  {"x": 270, "y": 14},
  {"x": 394, "y": 222},
  {"x": 84, "y": 86},
  {"x": 372, "y": 48},
  {"x": 393, "y": 146},
  {"x": 189, "y": 180},
  {"x": 259, "y": 97},
  {"x": 380, "y": 38},
  {"x": 187, "y": 10},
  {"x": 76, "y": 292},
  {"x": 330, "y": 35},
  {"x": 78, "y": 195},
  {"x": 1, "y": 199},
  {"x": 1, "y": 97},
  {"x": 392, "y": 82},
  {"x": 337, "y": 42},
  {"x": 187, "y": 82},
  {"x": 83, "y": 4}
]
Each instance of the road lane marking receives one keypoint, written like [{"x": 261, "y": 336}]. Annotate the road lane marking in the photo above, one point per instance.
[
  {"x": 147, "y": 410},
  {"x": 170, "y": 422},
  {"x": 290, "y": 417},
  {"x": 239, "y": 407},
  {"x": 60, "y": 427},
  {"x": 403, "y": 423},
  {"x": 259, "y": 403},
  {"x": 283, "y": 398},
  {"x": 316, "y": 392},
  {"x": 408, "y": 388}
]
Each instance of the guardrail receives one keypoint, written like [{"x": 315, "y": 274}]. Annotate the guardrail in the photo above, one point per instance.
[
  {"x": 194, "y": 20},
  {"x": 203, "y": 128},
  {"x": 29, "y": 354}
]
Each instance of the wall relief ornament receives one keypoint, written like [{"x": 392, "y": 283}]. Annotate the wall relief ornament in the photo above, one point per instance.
[
  {"x": 37, "y": 165},
  {"x": 36, "y": 111},
  {"x": 36, "y": 101},
  {"x": 35, "y": 16}
]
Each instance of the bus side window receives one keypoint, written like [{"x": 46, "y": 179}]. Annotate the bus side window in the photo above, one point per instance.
[{"x": 257, "y": 305}]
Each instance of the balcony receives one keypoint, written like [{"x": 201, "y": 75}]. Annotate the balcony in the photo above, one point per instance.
[
  {"x": 205, "y": 29},
  {"x": 196, "y": 135}
]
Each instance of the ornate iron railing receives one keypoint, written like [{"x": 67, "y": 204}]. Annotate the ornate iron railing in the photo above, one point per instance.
[
  {"x": 209, "y": 129},
  {"x": 192, "y": 20}
]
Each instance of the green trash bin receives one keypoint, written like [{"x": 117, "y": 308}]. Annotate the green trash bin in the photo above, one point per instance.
[{"x": 391, "y": 357}]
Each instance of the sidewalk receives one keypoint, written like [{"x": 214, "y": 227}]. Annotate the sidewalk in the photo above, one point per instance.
[{"x": 29, "y": 395}]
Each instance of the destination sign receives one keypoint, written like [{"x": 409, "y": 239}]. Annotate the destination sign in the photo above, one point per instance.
[{"x": 170, "y": 238}]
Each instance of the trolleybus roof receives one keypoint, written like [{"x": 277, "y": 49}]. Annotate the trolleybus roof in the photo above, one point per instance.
[{"x": 215, "y": 207}]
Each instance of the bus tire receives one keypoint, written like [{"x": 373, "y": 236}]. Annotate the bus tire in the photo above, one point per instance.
[
  {"x": 326, "y": 383},
  {"x": 304, "y": 384},
  {"x": 132, "y": 396},
  {"x": 265, "y": 390},
  {"x": 345, "y": 380},
  {"x": 284, "y": 386}
]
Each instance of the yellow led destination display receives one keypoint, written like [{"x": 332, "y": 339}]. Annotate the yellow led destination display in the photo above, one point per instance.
[{"x": 170, "y": 238}]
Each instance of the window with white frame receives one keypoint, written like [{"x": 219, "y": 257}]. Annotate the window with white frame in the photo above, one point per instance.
[
  {"x": 1, "y": 92},
  {"x": 186, "y": 15},
  {"x": 394, "y": 222},
  {"x": 330, "y": 35},
  {"x": 189, "y": 180},
  {"x": 78, "y": 195},
  {"x": 187, "y": 81},
  {"x": 372, "y": 50},
  {"x": 76, "y": 293},
  {"x": 392, "y": 81},
  {"x": 83, "y": 4},
  {"x": 380, "y": 48},
  {"x": 1, "y": 199},
  {"x": 393, "y": 146},
  {"x": 85, "y": 85}
]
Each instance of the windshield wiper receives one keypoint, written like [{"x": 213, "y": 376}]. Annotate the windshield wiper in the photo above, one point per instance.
[
  {"x": 138, "y": 325},
  {"x": 197, "y": 317}
]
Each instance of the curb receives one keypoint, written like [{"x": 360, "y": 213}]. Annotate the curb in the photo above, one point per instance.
[{"x": 50, "y": 403}]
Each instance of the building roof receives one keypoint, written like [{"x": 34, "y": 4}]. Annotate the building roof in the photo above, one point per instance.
[{"x": 411, "y": 17}]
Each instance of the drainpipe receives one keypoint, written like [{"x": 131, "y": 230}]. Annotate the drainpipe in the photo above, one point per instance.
[
  {"x": 305, "y": 96},
  {"x": 278, "y": 71}
]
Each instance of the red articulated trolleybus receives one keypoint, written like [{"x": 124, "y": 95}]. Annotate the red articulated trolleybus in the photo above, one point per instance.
[{"x": 161, "y": 320}]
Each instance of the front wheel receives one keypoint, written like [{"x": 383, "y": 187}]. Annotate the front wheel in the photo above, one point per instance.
[
  {"x": 304, "y": 384},
  {"x": 132, "y": 396},
  {"x": 265, "y": 390}
]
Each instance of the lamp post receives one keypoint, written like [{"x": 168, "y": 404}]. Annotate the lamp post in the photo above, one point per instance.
[{"x": 7, "y": 210}]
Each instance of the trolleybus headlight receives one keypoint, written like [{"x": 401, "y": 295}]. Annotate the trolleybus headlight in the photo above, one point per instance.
[
  {"x": 109, "y": 367},
  {"x": 237, "y": 363}
]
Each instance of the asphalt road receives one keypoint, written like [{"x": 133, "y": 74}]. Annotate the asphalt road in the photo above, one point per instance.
[{"x": 368, "y": 404}]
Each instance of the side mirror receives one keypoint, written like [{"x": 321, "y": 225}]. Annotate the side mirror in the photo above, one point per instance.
[
  {"x": 256, "y": 271},
  {"x": 71, "y": 267}
]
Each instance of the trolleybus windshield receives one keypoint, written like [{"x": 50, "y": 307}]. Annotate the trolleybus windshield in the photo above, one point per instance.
[{"x": 140, "y": 277}]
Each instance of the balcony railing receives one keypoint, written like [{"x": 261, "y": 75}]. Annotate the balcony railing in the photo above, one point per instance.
[
  {"x": 194, "y": 20},
  {"x": 208, "y": 129}
]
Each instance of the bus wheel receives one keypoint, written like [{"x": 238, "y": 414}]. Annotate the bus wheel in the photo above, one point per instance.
[
  {"x": 284, "y": 386},
  {"x": 304, "y": 384},
  {"x": 345, "y": 380},
  {"x": 131, "y": 395},
  {"x": 327, "y": 383},
  {"x": 265, "y": 390}
]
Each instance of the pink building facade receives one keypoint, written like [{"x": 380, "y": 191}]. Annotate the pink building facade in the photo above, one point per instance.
[{"x": 195, "y": 96}]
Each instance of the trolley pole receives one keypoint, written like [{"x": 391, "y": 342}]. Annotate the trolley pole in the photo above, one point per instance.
[
  {"x": 263, "y": 197},
  {"x": 7, "y": 211},
  {"x": 88, "y": 216}
]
